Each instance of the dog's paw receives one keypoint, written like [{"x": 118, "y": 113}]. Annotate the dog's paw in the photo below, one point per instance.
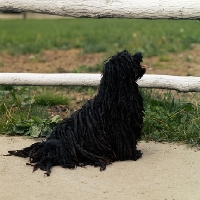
[{"x": 138, "y": 154}]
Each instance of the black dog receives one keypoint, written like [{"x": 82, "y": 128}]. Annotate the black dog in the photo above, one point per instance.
[{"x": 104, "y": 130}]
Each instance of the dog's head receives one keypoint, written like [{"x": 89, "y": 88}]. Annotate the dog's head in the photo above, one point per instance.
[
  {"x": 120, "y": 74},
  {"x": 138, "y": 68},
  {"x": 118, "y": 87},
  {"x": 125, "y": 66}
]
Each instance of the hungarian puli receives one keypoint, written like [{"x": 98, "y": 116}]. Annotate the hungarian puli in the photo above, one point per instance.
[{"x": 104, "y": 130}]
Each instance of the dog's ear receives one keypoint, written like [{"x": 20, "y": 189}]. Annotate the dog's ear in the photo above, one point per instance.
[
  {"x": 137, "y": 57},
  {"x": 139, "y": 71}
]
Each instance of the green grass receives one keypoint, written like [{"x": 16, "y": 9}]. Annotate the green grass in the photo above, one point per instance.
[
  {"x": 49, "y": 98},
  {"x": 170, "y": 120},
  {"x": 24, "y": 111},
  {"x": 151, "y": 37}
]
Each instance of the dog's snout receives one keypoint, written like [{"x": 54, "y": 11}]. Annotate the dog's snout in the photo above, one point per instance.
[{"x": 144, "y": 66}]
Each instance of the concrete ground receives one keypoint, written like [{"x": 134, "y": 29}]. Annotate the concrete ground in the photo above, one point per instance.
[{"x": 166, "y": 171}]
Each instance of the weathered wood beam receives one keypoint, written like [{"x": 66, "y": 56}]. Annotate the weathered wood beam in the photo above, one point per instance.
[
  {"x": 151, "y": 9},
  {"x": 179, "y": 83}
]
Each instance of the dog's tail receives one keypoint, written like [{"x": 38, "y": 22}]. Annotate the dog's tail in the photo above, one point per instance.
[{"x": 44, "y": 155}]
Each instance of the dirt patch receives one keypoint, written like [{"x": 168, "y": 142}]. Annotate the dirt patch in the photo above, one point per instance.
[
  {"x": 49, "y": 61},
  {"x": 186, "y": 63}
]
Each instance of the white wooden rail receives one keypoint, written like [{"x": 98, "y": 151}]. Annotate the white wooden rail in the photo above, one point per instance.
[
  {"x": 180, "y": 83},
  {"x": 151, "y": 9}
]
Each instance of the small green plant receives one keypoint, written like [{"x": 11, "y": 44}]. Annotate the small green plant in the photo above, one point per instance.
[{"x": 34, "y": 126}]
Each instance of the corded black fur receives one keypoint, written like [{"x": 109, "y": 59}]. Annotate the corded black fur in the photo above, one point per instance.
[{"x": 104, "y": 130}]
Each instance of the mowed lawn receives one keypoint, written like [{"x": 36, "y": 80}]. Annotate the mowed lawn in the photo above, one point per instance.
[{"x": 151, "y": 37}]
